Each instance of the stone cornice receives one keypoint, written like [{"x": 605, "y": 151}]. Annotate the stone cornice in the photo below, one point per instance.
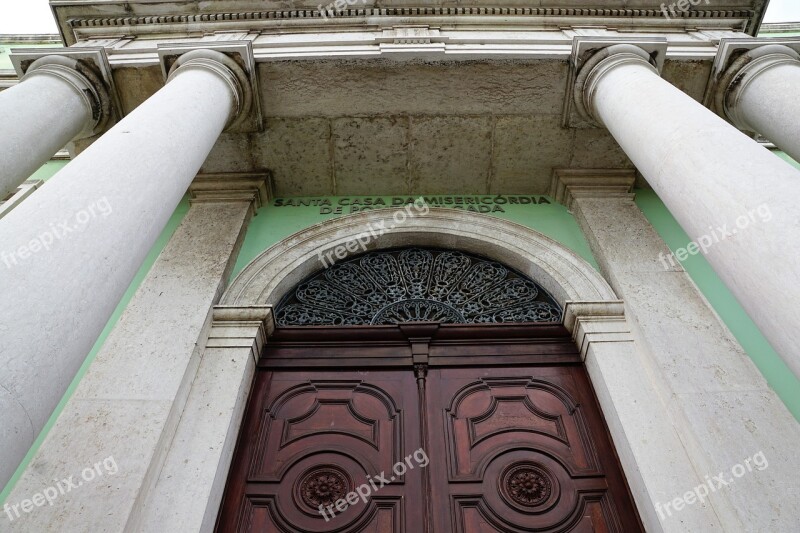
[
  {"x": 31, "y": 38},
  {"x": 288, "y": 14},
  {"x": 80, "y": 20},
  {"x": 779, "y": 27},
  {"x": 410, "y": 43},
  {"x": 241, "y": 327},
  {"x": 569, "y": 184},
  {"x": 232, "y": 187}
]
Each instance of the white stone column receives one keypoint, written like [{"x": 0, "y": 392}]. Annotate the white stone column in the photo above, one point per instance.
[
  {"x": 72, "y": 248},
  {"x": 723, "y": 188},
  {"x": 760, "y": 94},
  {"x": 134, "y": 395},
  {"x": 52, "y": 104}
]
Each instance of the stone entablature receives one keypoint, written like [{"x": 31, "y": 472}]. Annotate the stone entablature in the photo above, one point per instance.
[
  {"x": 334, "y": 91},
  {"x": 79, "y": 20}
]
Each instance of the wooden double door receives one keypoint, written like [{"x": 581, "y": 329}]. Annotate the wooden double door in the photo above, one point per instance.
[{"x": 424, "y": 429}]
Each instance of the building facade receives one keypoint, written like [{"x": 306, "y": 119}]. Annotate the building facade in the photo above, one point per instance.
[{"x": 550, "y": 249}]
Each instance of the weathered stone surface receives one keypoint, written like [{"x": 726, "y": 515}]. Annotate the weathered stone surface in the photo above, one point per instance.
[
  {"x": 450, "y": 154},
  {"x": 525, "y": 149},
  {"x": 371, "y": 155},
  {"x": 299, "y": 154},
  {"x": 233, "y": 152},
  {"x": 381, "y": 87},
  {"x": 358, "y": 126},
  {"x": 138, "y": 83},
  {"x": 690, "y": 76},
  {"x": 596, "y": 148}
]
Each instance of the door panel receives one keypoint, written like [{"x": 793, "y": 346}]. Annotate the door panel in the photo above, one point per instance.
[
  {"x": 315, "y": 439},
  {"x": 525, "y": 451},
  {"x": 512, "y": 446}
]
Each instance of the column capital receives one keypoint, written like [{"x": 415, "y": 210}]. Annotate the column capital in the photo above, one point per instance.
[
  {"x": 233, "y": 62},
  {"x": 86, "y": 70},
  {"x": 594, "y": 56},
  {"x": 738, "y": 63},
  {"x": 232, "y": 187},
  {"x": 569, "y": 184}
]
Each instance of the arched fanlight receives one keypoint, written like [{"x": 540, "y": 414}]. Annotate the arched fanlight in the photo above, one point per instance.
[{"x": 416, "y": 285}]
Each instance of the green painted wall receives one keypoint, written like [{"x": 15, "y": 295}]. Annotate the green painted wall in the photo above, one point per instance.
[
  {"x": 786, "y": 157},
  {"x": 273, "y": 224},
  {"x": 5, "y": 48},
  {"x": 48, "y": 170}
]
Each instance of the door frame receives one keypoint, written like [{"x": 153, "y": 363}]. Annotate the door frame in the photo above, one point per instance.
[
  {"x": 627, "y": 390},
  {"x": 424, "y": 349}
]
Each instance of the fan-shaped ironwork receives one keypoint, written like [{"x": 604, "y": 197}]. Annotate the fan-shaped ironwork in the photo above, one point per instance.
[{"x": 416, "y": 285}]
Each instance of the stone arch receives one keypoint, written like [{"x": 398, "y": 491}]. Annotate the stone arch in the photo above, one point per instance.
[
  {"x": 243, "y": 321},
  {"x": 565, "y": 275}
]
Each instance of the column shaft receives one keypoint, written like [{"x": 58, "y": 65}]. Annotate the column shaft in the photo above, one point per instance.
[
  {"x": 38, "y": 117},
  {"x": 768, "y": 104},
  {"x": 141, "y": 379},
  {"x": 72, "y": 248},
  {"x": 720, "y": 185}
]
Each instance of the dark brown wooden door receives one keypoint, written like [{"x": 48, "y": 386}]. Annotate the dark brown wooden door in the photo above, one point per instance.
[
  {"x": 525, "y": 450},
  {"x": 430, "y": 429}
]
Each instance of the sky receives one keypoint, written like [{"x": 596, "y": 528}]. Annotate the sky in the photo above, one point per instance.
[{"x": 34, "y": 16}]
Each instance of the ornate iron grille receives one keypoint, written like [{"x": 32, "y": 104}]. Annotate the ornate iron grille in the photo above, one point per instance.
[{"x": 416, "y": 285}]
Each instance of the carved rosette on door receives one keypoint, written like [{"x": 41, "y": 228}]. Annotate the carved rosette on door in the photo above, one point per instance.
[{"x": 317, "y": 440}]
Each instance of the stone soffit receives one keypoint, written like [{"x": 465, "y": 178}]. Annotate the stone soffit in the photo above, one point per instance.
[{"x": 403, "y": 98}]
